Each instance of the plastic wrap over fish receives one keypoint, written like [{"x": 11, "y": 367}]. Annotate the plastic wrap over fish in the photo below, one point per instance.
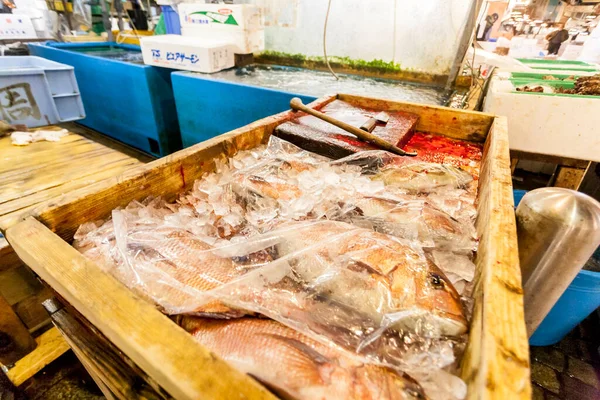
[
  {"x": 362, "y": 254},
  {"x": 373, "y": 295}
]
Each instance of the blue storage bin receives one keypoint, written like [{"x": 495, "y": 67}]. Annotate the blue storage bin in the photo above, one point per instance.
[
  {"x": 518, "y": 195},
  {"x": 36, "y": 92},
  {"x": 171, "y": 18},
  {"x": 580, "y": 299},
  {"x": 209, "y": 107},
  {"x": 123, "y": 98}
]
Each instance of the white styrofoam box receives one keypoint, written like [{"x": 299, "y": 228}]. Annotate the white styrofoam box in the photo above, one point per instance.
[
  {"x": 244, "y": 41},
  {"x": 187, "y": 53},
  {"x": 525, "y": 48},
  {"x": 31, "y": 4},
  {"x": 40, "y": 19},
  {"x": 555, "y": 125},
  {"x": 16, "y": 27},
  {"x": 571, "y": 52},
  {"x": 227, "y": 16}
]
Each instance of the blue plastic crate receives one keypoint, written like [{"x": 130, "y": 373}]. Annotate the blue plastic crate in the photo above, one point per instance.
[
  {"x": 123, "y": 98},
  {"x": 209, "y": 107},
  {"x": 171, "y": 18},
  {"x": 36, "y": 92}
]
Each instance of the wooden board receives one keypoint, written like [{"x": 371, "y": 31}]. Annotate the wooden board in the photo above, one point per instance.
[
  {"x": 159, "y": 347},
  {"x": 15, "y": 340},
  {"x": 496, "y": 361},
  {"x": 43, "y": 170},
  {"x": 321, "y": 137},
  {"x": 50, "y": 346},
  {"x": 465, "y": 125},
  {"x": 116, "y": 375}
]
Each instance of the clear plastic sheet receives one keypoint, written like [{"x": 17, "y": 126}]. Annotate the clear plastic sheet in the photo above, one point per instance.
[{"x": 330, "y": 249}]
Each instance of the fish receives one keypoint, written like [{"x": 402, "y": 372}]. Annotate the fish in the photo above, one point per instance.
[
  {"x": 171, "y": 268},
  {"x": 390, "y": 281},
  {"x": 422, "y": 177},
  {"x": 294, "y": 366},
  {"x": 271, "y": 187},
  {"x": 415, "y": 217}
]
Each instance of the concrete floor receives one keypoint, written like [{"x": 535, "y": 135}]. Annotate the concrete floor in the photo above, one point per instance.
[{"x": 571, "y": 368}]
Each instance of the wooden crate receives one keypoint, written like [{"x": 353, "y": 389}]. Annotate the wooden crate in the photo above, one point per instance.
[{"x": 496, "y": 362}]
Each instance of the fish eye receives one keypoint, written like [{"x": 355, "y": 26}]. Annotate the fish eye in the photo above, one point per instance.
[{"x": 436, "y": 280}]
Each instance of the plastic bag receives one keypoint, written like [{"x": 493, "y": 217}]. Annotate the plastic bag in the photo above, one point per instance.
[{"x": 328, "y": 248}]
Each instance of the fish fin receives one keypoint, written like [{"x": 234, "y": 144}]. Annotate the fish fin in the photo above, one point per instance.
[{"x": 306, "y": 361}]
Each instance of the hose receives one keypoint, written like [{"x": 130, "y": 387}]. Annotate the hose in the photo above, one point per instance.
[{"x": 325, "y": 41}]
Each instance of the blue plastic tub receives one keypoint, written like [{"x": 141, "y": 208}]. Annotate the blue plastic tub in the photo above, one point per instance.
[
  {"x": 580, "y": 299},
  {"x": 37, "y": 92},
  {"x": 208, "y": 107},
  {"x": 123, "y": 98},
  {"x": 171, "y": 18}
]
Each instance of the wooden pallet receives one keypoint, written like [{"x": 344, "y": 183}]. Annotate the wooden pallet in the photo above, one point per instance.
[
  {"x": 29, "y": 176},
  {"x": 496, "y": 362}
]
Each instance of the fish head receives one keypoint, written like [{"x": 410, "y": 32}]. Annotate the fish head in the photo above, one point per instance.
[{"x": 436, "y": 293}]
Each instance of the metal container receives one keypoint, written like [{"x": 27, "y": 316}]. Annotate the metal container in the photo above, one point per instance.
[{"x": 558, "y": 231}]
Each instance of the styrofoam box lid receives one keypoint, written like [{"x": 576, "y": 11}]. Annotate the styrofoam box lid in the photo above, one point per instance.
[{"x": 183, "y": 40}]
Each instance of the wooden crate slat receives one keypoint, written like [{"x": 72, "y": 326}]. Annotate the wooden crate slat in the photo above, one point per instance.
[
  {"x": 456, "y": 124},
  {"x": 50, "y": 346},
  {"x": 496, "y": 363},
  {"x": 160, "y": 348},
  {"x": 15, "y": 340},
  {"x": 113, "y": 371}
]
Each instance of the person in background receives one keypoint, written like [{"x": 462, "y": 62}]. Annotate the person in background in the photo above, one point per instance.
[
  {"x": 556, "y": 38},
  {"x": 490, "y": 20}
]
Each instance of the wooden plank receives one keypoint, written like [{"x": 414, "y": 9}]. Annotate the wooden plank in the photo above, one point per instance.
[
  {"x": 569, "y": 178},
  {"x": 8, "y": 258},
  {"x": 107, "y": 141},
  {"x": 121, "y": 378},
  {"x": 565, "y": 161},
  {"x": 31, "y": 311},
  {"x": 160, "y": 348},
  {"x": 17, "y": 284},
  {"x": 496, "y": 362},
  {"x": 457, "y": 124},
  {"x": 513, "y": 165},
  {"x": 50, "y": 346},
  {"x": 27, "y": 201},
  {"x": 90, "y": 370},
  {"x": 42, "y": 170},
  {"x": 590, "y": 183},
  {"x": 15, "y": 340},
  {"x": 57, "y": 172}
]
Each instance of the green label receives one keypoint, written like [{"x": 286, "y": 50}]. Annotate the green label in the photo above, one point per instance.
[{"x": 217, "y": 18}]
